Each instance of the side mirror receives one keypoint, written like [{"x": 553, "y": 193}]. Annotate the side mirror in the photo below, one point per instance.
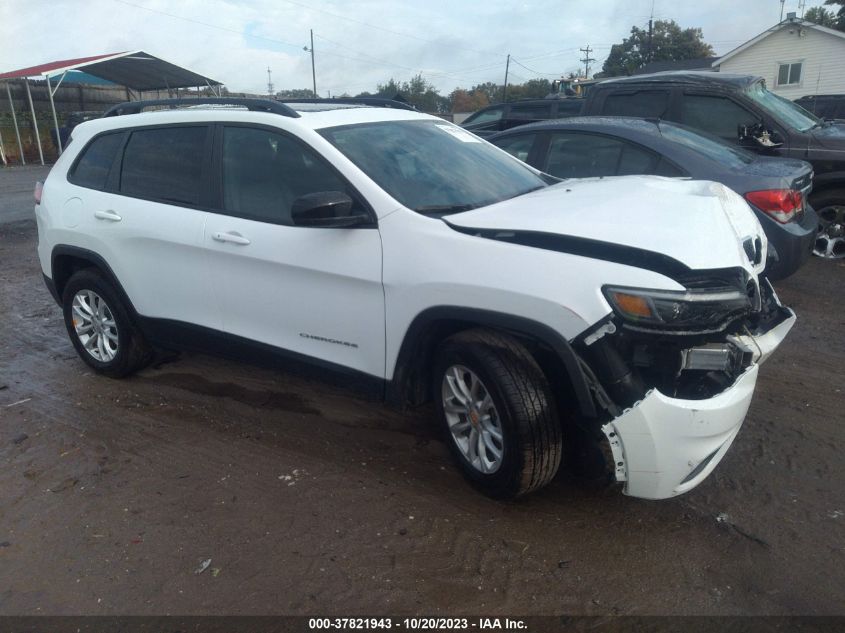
[{"x": 325, "y": 209}]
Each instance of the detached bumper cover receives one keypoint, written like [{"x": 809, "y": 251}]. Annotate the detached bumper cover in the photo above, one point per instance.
[{"x": 666, "y": 446}]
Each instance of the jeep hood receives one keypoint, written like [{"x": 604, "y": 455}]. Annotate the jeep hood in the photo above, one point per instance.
[{"x": 698, "y": 224}]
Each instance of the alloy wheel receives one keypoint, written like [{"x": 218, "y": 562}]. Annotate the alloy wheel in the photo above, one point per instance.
[
  {"x": 830, "y": 241},
  {"x": 95, "y": 325},
  {"x": 473, "y": 419}
]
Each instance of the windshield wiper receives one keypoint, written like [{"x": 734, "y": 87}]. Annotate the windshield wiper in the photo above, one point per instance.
[{"x": 443, "y": 208}]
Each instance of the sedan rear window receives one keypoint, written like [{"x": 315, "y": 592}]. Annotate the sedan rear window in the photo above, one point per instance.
[
  {"x": 709, "y": 147},
  {"x": 432, "y": 166}
]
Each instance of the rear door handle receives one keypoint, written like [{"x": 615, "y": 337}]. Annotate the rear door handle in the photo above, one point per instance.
[
  {"x": 232, "y": 236},
  {"x": 107, "y": 215}
]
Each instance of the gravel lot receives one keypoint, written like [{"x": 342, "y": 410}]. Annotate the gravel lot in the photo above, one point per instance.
[{"x": 309, "y": 500}]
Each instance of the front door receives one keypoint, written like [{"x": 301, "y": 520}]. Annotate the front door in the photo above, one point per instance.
[{"x": 312, "y": 291}]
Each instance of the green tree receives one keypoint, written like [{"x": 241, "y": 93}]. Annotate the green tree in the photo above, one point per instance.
[
  {"x": 821, "y": 16},
  {"x": 296, "y": 93},
  {"x": 840, "y": 14},
  {"x": 669, "y": 42}
]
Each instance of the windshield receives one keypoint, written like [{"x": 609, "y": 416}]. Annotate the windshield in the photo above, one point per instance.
[
  {"x": 786, "y": 112},
  {"x": 708, "y": 146},
  {"x": 433, "y": 166}
]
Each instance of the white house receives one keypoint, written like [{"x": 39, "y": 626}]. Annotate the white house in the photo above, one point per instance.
[{"x": 795, "y": 57}]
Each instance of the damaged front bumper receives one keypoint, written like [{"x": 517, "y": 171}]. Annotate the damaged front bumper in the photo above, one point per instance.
[{"x": 663, "y": 446}]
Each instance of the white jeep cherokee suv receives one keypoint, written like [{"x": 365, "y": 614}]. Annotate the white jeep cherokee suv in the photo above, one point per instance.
[{"x": 621, "y": 318}]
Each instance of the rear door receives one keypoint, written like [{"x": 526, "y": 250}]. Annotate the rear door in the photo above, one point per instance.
[
  {"x": 316, "y": 292},
  {"x": 147, "y": 219}
]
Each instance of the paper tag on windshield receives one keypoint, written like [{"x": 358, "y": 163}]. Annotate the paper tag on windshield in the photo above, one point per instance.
[{"x": 460, "y": 134}]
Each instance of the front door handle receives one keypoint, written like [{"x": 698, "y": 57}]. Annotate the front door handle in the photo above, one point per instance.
[
  {"x": 107, "y": 215},
  {"x": 232, "y": 236}
]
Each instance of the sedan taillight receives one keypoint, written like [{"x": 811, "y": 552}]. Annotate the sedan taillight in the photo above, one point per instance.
[{"x": 781, "y": 204}]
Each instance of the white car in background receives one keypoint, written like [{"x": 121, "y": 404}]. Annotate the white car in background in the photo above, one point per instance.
[{"x": 403, "y": 254}]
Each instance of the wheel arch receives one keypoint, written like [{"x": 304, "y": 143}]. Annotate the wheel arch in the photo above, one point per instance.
[
  {"x": 410, "y": 383},
  {"x": 65, "y": 260}
]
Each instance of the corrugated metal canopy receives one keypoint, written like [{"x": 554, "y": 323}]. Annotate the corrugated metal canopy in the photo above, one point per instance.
[{"x": 134, "y": 69}]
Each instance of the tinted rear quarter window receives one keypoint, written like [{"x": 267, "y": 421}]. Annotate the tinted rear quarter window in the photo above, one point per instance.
[
  {"x": 643, "y": 103},
  {"x": 164, "y": 164},
  {"x": 92, "y": 168}
]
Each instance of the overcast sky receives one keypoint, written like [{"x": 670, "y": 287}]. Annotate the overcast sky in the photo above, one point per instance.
[{"x": 454, "y": 43}]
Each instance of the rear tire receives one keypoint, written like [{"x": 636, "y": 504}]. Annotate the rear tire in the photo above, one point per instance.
[
  {"x": 100, "y": 327},
  {"x": 830, "y": 207},
  {"x": 491, "y": 394}
]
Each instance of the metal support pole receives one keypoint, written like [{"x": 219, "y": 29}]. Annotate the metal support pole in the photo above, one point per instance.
[
  {"x": 313, "y": 71},
  {"x": 507, "y": 67},
  {"x": 55, "y": 118},
  {"x": 34, "y": 120},
  {"x": 15, "y": 121}
]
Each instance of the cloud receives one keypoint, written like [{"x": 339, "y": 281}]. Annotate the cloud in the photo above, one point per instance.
[{"x": 357, "y": 46}]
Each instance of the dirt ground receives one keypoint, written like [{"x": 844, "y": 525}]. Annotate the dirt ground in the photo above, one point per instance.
[{"x": 308, "y": 500}]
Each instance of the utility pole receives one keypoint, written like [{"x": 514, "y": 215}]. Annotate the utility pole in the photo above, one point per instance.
[
  {"x": 781, "y": 9},
  {"x": 801, "y": 5},
  {"x": 270, "y": 82},
  {"x": 313, "y": 72},
  {"x": 650, "y": 34},
  {"x": 587, "y": 59},
  {"x": 507, "y": 67}
]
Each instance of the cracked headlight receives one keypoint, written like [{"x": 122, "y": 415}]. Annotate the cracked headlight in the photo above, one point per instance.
[{"x": 698, "y": 310}]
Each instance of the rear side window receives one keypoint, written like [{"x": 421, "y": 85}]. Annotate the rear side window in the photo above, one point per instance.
[
  {"x": 164, "y": 164},
  {"x": 569, "y": 107},
  {"x": 92, "y": 168},
  {"x": 531, "y": 112},
  {"x": 574, "y": 155},
  {"x": 644, "y": 103}
]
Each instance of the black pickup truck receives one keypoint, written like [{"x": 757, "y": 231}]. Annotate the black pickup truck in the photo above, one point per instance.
[{"x": 739, "y": 109}]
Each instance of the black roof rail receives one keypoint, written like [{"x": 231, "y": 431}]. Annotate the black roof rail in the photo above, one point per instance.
[
  {"x": 255, "y": 105},
  {"x": 380, "y": 102}
]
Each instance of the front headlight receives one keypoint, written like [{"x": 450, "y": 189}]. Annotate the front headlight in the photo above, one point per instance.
[{"x": 699, "y": 311}]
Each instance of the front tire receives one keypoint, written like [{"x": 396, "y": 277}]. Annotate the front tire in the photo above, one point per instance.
[
  {"x": 498, "y": 413},
  {"x": 100, "y": 327}
]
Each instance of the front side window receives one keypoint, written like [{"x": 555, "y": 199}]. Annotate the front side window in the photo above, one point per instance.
[
  {"x": 265, "y": 172},
  {"x": 789, "y": 74},
  {"x": 718, "y": 116},
  {"x": 579, "y": 155},
  {"x": 92, "y": 168},
  {"x": 164, "y": 164},
  {"x": 431, "y": 166}
]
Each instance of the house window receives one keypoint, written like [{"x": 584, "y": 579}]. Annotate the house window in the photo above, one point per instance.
[{"x": 789, "y": 74}]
